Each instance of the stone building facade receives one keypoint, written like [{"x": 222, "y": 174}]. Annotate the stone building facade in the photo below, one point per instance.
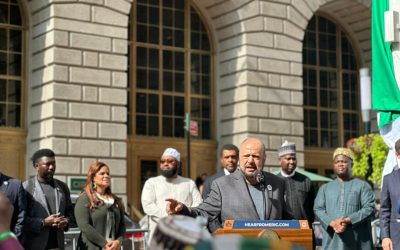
[{"x": 77, "y": 66}]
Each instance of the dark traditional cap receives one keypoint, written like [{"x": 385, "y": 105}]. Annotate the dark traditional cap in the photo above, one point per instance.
[
  {"x": 44, "y": 152},
  {"x": 343, "y": 151},
  {"x": 287, "y": 148}
]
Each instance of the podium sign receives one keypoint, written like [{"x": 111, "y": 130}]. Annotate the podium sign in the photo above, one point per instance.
[
  {"x": 294, "y": 231},
  {"x": 266, "y": 224}
]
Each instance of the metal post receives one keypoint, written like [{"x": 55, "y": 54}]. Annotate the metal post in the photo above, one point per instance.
[{"x": 187, "y": 132}]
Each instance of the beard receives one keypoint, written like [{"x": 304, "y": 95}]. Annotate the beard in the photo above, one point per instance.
[{"x": 168, "y": 173}]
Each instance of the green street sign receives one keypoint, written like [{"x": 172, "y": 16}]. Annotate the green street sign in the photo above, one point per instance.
[{"x": 77, "y": 184}]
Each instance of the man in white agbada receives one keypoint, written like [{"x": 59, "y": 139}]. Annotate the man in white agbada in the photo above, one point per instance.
[{"x": 167, "y": 185}]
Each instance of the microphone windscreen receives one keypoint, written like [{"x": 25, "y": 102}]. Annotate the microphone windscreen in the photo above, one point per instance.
[{"x": 259, "y": 176}]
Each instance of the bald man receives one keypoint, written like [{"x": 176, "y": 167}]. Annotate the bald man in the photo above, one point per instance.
[{"x": 247, "y": 194}]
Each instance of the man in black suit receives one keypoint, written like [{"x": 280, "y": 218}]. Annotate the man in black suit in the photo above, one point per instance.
[
  {"x": 390, "y": 207},
  {"x": 229, "y": 154},
  {"x": 15, "y": 193},
  {"x": 49, "y": 205}
]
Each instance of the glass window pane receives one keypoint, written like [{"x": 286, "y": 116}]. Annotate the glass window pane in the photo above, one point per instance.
[
  {"x": 167, "y": 127},
  {"x": 179, "y": 61},
  {"x": 205, "y": 85},
  {"x": 3, "y": 39},
  {"x": 141, "y": 78},
  {"x": 178, "y": 127},
  {"x": 153, "y": 125},
  {"x": 195, "y": 108},
  {"x": 3, "y": 63},
  {"x": 153, "y": 58},
  {"x": 3, "y": 13},
  {"x": 141, "y": 125},
  {"x": 205, "y": 129},
  {"x": 179, "y": 38},
  {"x": 167, "y": 105},
  {"x": 15, "y": 16},
  {"x": 153, "y": 35},
  {"x": 167, "y": 36},
  {"x": 14, "y": 91},
  {"x": 13, "y": 115},
  {"x": 179, "y": 108},
  {"x": 153, "y": 79},
  {"x": 168, "y": 81},
  {"x": 179, "y": 82},
  {"x": 167, "y": 59},
  {"x": 141, "y": 14},
  {"x": 3, "y": 90},
  {"x": 205, "y": 64},
  {"x": 195, "y": 40},
  {"x": 167, "y": 17},
  {"x": 141, "y": 103},
  {"x": 205, "y": 109},
  {"x": 141, "y": 33},
  {"x": 153, "y": 104},
  {"x": 141, "y": 56},
  {"x": 153, "y": 16},
  {"x": 195, "y": 84},
  {"x": 179, "y": 19},
  {"x": 15, "y": 40},
  {"x": 205, "y": 43},
  {"x": 3, "y": 114}
]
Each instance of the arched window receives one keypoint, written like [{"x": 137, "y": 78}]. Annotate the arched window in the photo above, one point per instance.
[
  {"x": 11, "y": 72},
  {"x": 170, "y": 70},
  {"x": 331, "y": 89}
]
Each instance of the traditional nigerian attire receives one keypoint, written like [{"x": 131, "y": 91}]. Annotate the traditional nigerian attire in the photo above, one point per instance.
[
  {"x": 300, "y": 195},
  {"x": 157, "y": 189},
  {"x": 354, "y": 199}
]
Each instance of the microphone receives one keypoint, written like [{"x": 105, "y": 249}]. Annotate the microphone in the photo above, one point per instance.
[{"x": 259, "y": 176}]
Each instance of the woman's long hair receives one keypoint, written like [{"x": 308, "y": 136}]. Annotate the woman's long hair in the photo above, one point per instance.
[{"x": 90, "y": 190}]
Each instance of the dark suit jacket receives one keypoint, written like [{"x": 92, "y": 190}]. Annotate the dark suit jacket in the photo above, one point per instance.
[
  {"x": 15, "y": 193},
  {"x": 230, "y": 199},
  {"x": 209, "y": 181},
  {"x": 389, "y": 214},
  {"x": 36, "y": 236}
]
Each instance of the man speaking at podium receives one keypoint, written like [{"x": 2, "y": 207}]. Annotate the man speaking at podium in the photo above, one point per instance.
[{"x": 247, "y": 194}]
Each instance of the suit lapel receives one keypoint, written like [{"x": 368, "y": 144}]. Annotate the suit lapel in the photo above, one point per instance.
[
  {"x": 39, "y": 196},
  {"x": 268, "y": 195},
  {"x": 244, "y": 194}
]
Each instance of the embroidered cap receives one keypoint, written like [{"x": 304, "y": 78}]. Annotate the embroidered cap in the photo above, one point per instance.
[
  {"x": 287, "y": 148},
  {"x": 343, "y": 151},
  {"x": 172, "y": 152}
]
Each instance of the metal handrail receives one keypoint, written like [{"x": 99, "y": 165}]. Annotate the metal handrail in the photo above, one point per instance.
[{"x": 74, "y": 234}]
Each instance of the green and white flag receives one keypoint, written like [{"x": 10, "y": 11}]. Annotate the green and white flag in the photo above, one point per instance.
[{"x": 385, "y": 89}]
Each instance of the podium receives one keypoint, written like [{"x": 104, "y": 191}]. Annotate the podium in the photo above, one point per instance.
[{"x": 295, "y": 231}]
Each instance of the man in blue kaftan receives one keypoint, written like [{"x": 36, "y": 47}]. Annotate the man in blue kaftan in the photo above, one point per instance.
[{"x": 344, "y": 207}]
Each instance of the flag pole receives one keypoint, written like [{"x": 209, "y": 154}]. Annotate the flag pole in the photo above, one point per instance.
[{"x": 187, "y": 132}]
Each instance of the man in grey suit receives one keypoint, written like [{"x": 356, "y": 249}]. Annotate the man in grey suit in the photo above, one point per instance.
[
  {"x": 247, "y": 194},
  {"x": 390, "y": 207},
  {"x": 49, "y": 206}
]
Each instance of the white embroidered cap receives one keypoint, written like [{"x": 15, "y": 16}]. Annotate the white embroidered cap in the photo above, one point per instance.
[{"x": 172, "y": 152}]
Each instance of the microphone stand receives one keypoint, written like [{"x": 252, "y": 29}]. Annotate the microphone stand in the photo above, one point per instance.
[{"x": 264, "y": 199}]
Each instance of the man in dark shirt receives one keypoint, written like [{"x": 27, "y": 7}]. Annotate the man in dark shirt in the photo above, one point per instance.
[
  {"x": 299, "y": 191},
  {"x": 49, "y": 205}
]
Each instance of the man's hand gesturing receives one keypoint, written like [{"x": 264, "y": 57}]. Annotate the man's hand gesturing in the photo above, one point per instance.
[{"x": 173, "y": 206}]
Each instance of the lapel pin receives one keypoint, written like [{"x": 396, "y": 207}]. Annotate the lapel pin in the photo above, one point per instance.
[
  {"x": 5, "y": 183},
  {"x": 269, "y": 187}
]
